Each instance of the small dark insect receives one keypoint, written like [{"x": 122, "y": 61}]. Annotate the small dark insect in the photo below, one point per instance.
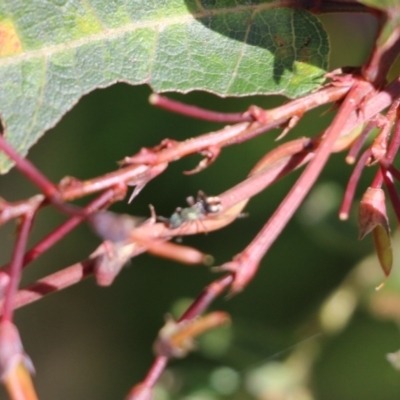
[{"x": 199, "y": 208}]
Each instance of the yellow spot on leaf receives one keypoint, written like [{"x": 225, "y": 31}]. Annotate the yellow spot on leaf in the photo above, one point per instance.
[
  {"x": 88, "y": 25},
  {"x": 9, "y": 40}
]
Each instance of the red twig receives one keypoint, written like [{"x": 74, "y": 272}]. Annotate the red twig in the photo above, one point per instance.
[
  {"x": 10, "y": 211},
  {"x": 198, "y": 306},
  {"x": 392, "y": 169},
  {"x": 155, "y": 371},
  {"x": 278, "y": 163},
  {"x": 356, "y": 147},
  {"x": 103, "y": 200},
  {"x": 206, "y": 297},
  {"x": 51, "y": 283},
  {"x": 289, "y": 157},
  {"x": 268, "y": 120},
  {"x": 394, "y": 197},
  {"x": 246, "y": 263},
  {"x": 375, "y": 104},
  {"x": 265, "y": 120},
  {"x": 30, "y": 171},
  {"x": 384, "y": 54},
  {"x": 231, "y": 135},
  {"x": 352, "y": 185},
  {"x": 148, "y": 163},
  {"x": 234, "y": 134},
  {"x": 395, "y": 142},
  {"x": 130, "y": 175},
  {"x": 16, "y": 266},
  {"x": 197, "y": 112}
]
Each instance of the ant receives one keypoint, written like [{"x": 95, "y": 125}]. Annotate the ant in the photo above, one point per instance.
[{"x": 199, "y": 208}]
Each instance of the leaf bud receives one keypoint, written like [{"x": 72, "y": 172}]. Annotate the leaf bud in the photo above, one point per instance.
[{"x": 372, "y": 212}]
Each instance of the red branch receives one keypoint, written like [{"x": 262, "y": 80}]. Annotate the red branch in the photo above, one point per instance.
[
  {"x": 245, "y": 264},
  {"x": 197, "y": 308},
  {"x": 51, "y": 283},
  {"x": 16, "y": 266},
  {"x": 352, "y": 185},
  {"x": 103, "y": 201},
  {"x": 29, "y": 170},
  {"x": 197, "y": 112}
]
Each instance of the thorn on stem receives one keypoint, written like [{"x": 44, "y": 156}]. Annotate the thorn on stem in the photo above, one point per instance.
[{"x": 210, "y": 155}]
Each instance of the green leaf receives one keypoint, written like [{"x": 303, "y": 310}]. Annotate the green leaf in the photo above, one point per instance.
[{"x": 54, "y": 51}]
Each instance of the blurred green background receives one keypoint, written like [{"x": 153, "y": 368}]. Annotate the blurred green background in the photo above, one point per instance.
[{"x": 89, "y": 342}]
